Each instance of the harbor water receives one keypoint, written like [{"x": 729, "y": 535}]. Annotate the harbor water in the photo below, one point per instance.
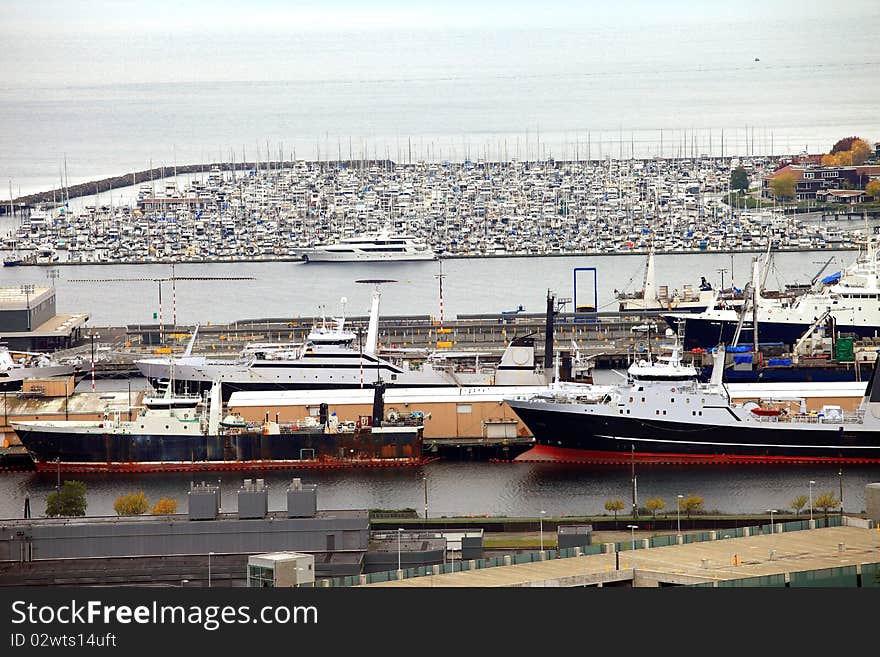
[
  {"x": 491, "y": 488},
  {"x": 470, "y": 286}
]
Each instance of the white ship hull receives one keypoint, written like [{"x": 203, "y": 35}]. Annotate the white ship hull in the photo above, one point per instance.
[{"x": 318, "y": 255}]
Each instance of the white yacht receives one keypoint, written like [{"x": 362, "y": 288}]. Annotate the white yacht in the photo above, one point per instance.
[{"x": 373, "y": 247}]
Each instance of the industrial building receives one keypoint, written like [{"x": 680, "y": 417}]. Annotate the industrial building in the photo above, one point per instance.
[{"x": 28, "y": 320}]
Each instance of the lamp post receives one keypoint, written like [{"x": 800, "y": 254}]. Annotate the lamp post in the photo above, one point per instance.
[
  {"x": 92, "y": 335},
  {"x": 840, "y": 479},
  {"x": 541, "y": 524},
  {"x": 632, "y": 529},
  {"x": 678, "y": 511},
  {"x": 425, "y": 481},
  {"x": 210, "y": 554},
  {"x": 399, "y": 530},
  {"x": 772, "y": 511},
  {"x": 812, "y": 483}
]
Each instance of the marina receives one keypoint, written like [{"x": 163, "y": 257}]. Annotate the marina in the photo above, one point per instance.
[{"x": 330, "y": 211}]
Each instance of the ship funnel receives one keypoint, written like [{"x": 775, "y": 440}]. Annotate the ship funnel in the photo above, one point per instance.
[
  {"x": 872, "y": 392},
  {"x": 548, "y": 335}
]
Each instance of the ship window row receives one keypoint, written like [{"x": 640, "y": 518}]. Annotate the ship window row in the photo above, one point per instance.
[
  {"x": 384, "y": 249},
  {"x": 695, "y": 413}
]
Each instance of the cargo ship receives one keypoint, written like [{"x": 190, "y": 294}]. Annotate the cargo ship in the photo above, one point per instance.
[
  {"x": 664, "y": 412},
  {"x": 181, "y": 433}
]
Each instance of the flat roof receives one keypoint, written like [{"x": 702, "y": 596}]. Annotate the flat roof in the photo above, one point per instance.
[
  {"x": 707, "y": 561},
  {"x": 16, "y": 298},
  {"x": 58, "y": 326}
]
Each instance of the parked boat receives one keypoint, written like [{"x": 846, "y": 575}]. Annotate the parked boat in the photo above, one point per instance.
[
  {"x": 331, "y": 357},
  {"x": 185, "y": 432},
  {"x": 383, "y": 246},
  {"x": 663, "y": 410},
  {"x": 851, "y": 301},
  {"x": 30, "y": 365}
]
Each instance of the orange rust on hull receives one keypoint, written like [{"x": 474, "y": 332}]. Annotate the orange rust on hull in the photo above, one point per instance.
[
  {"x": 230, "y": 466},
  {"x": 547, "y": 454}
]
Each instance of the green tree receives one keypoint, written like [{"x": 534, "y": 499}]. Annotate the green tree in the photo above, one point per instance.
[
  {"x": 69, "y": 501},
  {"x": 739, "y": 179},
  {"x": 165, "y": 506},
  {"x": 692, "y": 503},
  {"x": 826, "y": 501},
  {"x": 784, "y": 185},
  {"x": 654, "y": 505},
  {"x": 614, "y": 506},
  {"x": 133, "y": 504},
  {"x": 798, "y": 503},
  {"x": 873, "y": 189}
]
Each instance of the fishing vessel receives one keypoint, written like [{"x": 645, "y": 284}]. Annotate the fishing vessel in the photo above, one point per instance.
[
  {"x": 849, "y": 299},
  {"x": 383, "y": 246},
  {"x": 664, "y": 411},
  {"x": 187, "y": 432},
  {"x": 654, "y": 298}
]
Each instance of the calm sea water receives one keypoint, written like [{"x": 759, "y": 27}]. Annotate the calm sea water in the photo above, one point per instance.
[
  {"x": 480, "y": 488},
  {"x": 471, "y": 286},
  {"x": 111, "y": 102}
]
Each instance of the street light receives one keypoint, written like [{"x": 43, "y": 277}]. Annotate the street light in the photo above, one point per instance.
[
  {"x": 772, "y": 511},
  {"x": 633, "y": 529},
  {"x": 399, "y": 530},
  {"x": 92, "y": 335},
  {"x": 541, "y": 523},
  {"x": 678, "y": 511},
  {"x": 812, "y": 483},
  {"x": 425, "y": 480},
  {"x": 209, "y": 568}
]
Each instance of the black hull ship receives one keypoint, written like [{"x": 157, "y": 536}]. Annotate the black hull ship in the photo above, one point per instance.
[
  {"x": 175, "y": 433},
  {"x": 663, "y": 413}
]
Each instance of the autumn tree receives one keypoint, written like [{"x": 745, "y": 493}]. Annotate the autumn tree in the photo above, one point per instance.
[
  {"x": 614, "y": 506},
  {"x": 783, "y": 185},
  {"x": 844, "y": 144},
  {"x": 133, "y": 504},
  {"x": 861, "y": 151},
  {"x": 826, "y": 501},
  {"x": 798, "y": 503},
  {"x": 654, "y": 505},
  {"x": 692, "y": 503},
  {"x": 873, "y": 189},
  {"x": 69, "y": 501},
  {"x": 739, "y": 179},
  {"x": 164, "y": 507}
]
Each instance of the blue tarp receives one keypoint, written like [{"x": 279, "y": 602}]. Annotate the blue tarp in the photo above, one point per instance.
[
  {"x": 779, "y": 361},
  {"x": 833, "y": 278},
  {"x": 742, "y": 359},
  {"x": 739, "y": 350}
]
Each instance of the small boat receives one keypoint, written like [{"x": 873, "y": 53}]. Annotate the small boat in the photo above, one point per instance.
[
  {"x": 767, "y": 412},
  {"x": 12, "y": 261}
]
